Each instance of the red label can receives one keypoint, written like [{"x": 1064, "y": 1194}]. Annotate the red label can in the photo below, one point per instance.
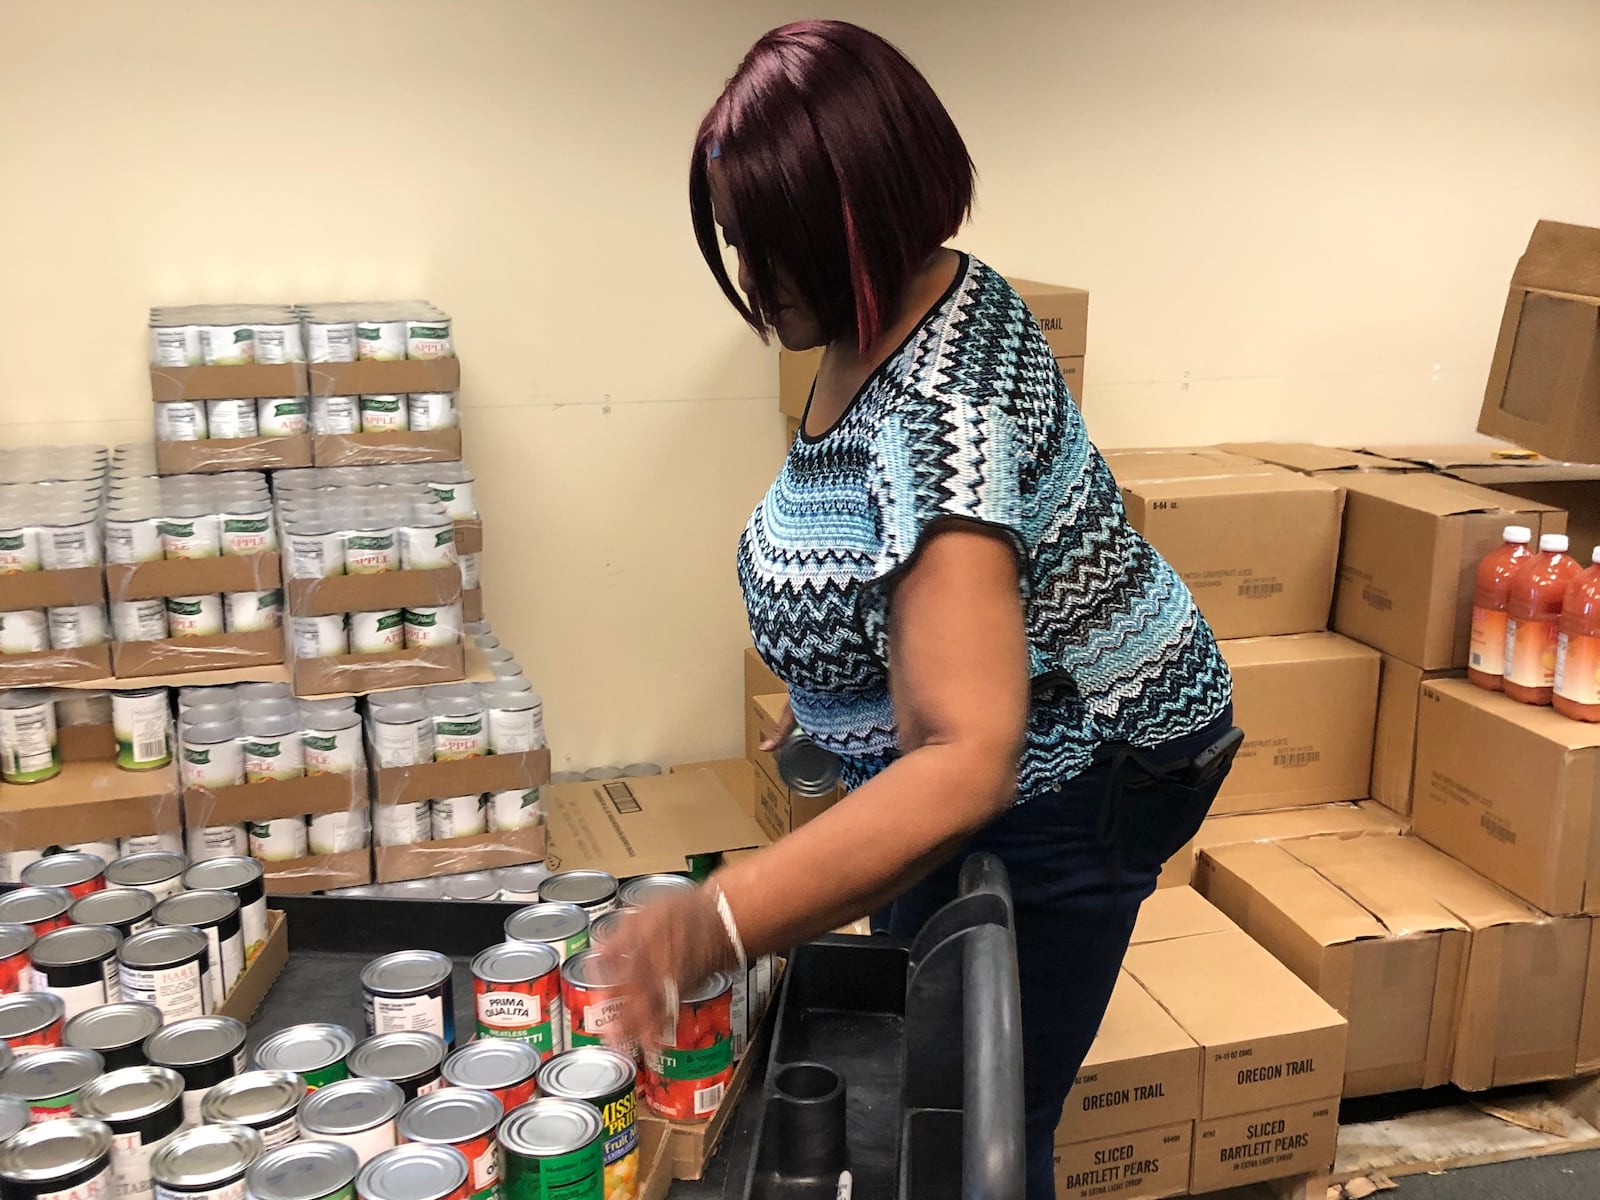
[
  {"x": 593, "y": 1001},
  {"x": 684, "y": 1078},
  {"x": 516, "y": 990},
  {"x": 504, "y": 1067},
  {"x": 16, "y": 968},
  {"x": 31, "y": 1021}
]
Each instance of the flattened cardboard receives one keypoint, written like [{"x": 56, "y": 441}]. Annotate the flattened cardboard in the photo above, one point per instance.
[
  {"x": 47, "y": 668},
  {"x": 1311, "y": 459},
  {"x": 452, "y": 856},
  {"x": 358, "y": 674},
  {"x": 1307, "y": 704},
  {"x": 372, "y": 378},
  {"x": 1371, "y": 943},
  {"x": 1258, "y": 549},
  {"x": 275, "y": 798},
  {"x": 1447, "y": 456},
  {"x": 1341, "y": 820},
  {"x": 637, "y": 826},
  {"x": 194, "y": 576},
  {"x": 372, "y": 449},
  {"x": 461, "y": 777},
  {"x": 1297, "y": 1139},
  {"x": 1143, "y": 1071},
  {"x": 85, "y": 797},
  {"x": 1412, "y": 544},
  {"x": 1062, "y": 314},
  {"x": 1269, "y": 1041},
  {"x": 210, "y": 455},
  {"x": 87, "y": 743},
  {"x": 1394, "y": 748},
  {"x": 370, "y": 593},
  {"x": 469, "y": 536},
  {"x": 262, "y": 973},
  {"x": 244, "y": 382},
  {"x": 52, "y": 589},
  {"x": 1149, "y": 1164},
  {"x": 212, "y": 652},
  {"x": 1180, "y": 912},
  {"x": 1509, "y": 789},
  {"x": 737, "y": 775},
  {"x": 271, "y": 673},
  {"x": 317, "y": 872}
]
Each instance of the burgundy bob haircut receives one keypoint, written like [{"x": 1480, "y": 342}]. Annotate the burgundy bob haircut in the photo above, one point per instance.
[{"x": 843, "y": 171}]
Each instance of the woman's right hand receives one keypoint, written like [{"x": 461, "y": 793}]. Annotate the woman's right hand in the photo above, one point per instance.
[{"x": 781, "y": 734}]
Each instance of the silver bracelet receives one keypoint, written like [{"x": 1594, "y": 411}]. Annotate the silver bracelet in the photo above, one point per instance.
[{"x": 730, "y": 927}]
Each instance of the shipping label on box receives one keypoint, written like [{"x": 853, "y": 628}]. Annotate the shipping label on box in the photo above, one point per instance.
[
  {"x": 1306, "y": 704},
  {"x": 1149, "y": 1164},
  {"x": 1142, "y": 1071},
  {"x": 1295, "y": 1139}
]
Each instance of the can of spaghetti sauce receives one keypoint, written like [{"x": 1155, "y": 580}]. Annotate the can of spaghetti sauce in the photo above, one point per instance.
[
  {"x": 31, "y": 1021},
  {"x": 686, "y": 1074},
  {"x": 516, "y": 989},
  {"x": 143, "y": 1106},
  {"x": 207, "y": 1162},
  {"x": 266, "y": 1101},
  {"x": 465, "y": 1119},
  {"x": 304, "y": 1171},
  {"x": 79, "y": 964},
  {"x": 16, "y": 969},
  {"x": 413, "y": 1059},
  {"x": 204, "y": 1050},
  {"x": 49, "y": 1080},
  {"x": 414, "y": 1172},
  {"x": 507, "y": 1069}
]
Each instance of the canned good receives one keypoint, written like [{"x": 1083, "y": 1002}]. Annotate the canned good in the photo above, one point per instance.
[
  {"x": 473, "y": 885},
  {"x": 69, "y": 1159},
  {"x": 78, "y": 874},
  {"x": 279, "y": 342},
  {"x": 504, "y": 1067},
  {"x": 337, "y": 832},
  {"x": 469, "y": 572},
  {"x": 279, "y": 839},
  {"x": 806, "y": 767},
  {"x": 427, "y": 544},
  {"x": 232, "y": 419},
  {"x": 181, "y": 421},
  {"x": 686, "y": 1075},
  {"x": 457, "y": 496},
  {"x": 383, "y": 414},
  {"x": 332, "y": 745},
  {"x": 216, "y": 915},
  {"x": 429, "y": 338},
  {"x": 605, "y": 1081},
  {"x": 439, "y": 625},
  {"x": 457, "y": 816},
  {"x": 116, "y": 1032},
  {"x": 69, "y": 542},
  {"x": 562, "y": 927},
  {"x": 227, "y": 345},
  {"x": 19, "y": 550},
  {"x": 402, "y": 735},
  {"x": 193, "y": 535},
  {"x": 427, "y": 411},
  {"x": 215, "y": 841},
  {"x": 266, "y": 1101},
  {"x": 381, "y": 341},
  {"x": 207, "y": 1162},
  {"x": 330, "y": 341},
  {"x": 143, "y": 1107},
  {"x": 74, "y": 626},
  {"x": 31, "y": 1021},
  {"x": 404, "y": 824},
  {"x": 515, "y": 809},
  {"x": 139, "y": 620},
  {"x": 314, "y": 553},
  {"x": 413, "y": 1172},
  {"x": 409, "y": 990},
  {"x": 133, "y": 539},
  {"x": 520, "y": 884},
  {"x": 463, "y": 732},
  {"x": 465, "y": 1119},
  {"x": 13, "y": 1109},
  {"x": 29, "y": 749},
  {"x": 359, "y": 1113},
  {"x": 516, "y": 722},
  {"x": 377, "y": 632},
  {"x": 125, "y": 910},
  {"x": 159, "y": 872},
  {"x": 104, "y": 851},
  {"x": 603, "y": 929},
  {"x": 16, "y": 969},
  {"x": 335, "y": 415},
  {"x": 411, "y": 1058},
  {"x": 553, "y": 1147},
  {"x": 165, "y": 841},
  {"x": 247, "y": 532},
  {"x": 595, "y": 892},
  {"x": 246, "y": 879},
  {"x": 193, "y": 616},
  {"x": 167, "y": 967},
  {"x": 314, "y": 1052},
  {"x": 284, "y": 416},
  {"x": 49, "y": 1080},
  {"x": 304, "y": 1171},
  {"x": 204, "y": 1050},
  {"x": 143, "y": 727},
  {"x": 319, "y": 637},
  {"x": 24, "y": 631},
  {"x": 516, "y": 989},
  {"x": 41, "y": 909},
  {"x": 253, "y": 612},
  {"x": 273, "y": 750},
  {"x": 174, "y": 345},
  {"x": 592, "y": 997},
  {"x": 78, "y": 964}
]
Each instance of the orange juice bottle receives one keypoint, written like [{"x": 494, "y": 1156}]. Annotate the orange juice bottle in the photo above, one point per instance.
[
  {"x": 1578, "y": 648},
  {"x": 1486, "y": 665},
  {"x": 1538, "y": 590}
]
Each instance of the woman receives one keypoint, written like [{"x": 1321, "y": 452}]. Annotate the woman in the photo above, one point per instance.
[{"x": 942, "y": 573}]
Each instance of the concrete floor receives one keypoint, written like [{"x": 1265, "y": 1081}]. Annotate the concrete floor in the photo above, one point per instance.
[{"x": 1557, "y": 1177}]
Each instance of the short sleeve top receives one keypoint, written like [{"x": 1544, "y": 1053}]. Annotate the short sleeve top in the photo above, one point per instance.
[{"x": 971, "y": 420}]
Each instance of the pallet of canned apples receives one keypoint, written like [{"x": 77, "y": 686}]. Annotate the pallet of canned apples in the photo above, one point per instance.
[
  {"x": 280, "y": 779},
  {"x": 52, "y": 591},
  {"x": 192, "y": 571}
]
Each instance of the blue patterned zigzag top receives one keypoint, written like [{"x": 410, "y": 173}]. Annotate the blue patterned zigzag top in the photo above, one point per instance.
[{"x": 971, "y": 419}]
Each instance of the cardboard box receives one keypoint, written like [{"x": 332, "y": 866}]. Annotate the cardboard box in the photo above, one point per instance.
[
  {"x": 1394, "y": 747},
  {"x": 453, "y": 856},
  {"x": 1447, "y": 456},
  {"x": 1268, "y": 1041},
  {"x": 88, "y": 798},
  {"x": 243, "y": 382},
  {"x": 638, "y": 826},
  {"x": 1258, "y": 548},
  {"x": 1071, "y": 369},
  {"x": 357, "y": 674},
  {"x": 1509, "y": 790},
  {"x": 736, "y": 775},
  {"x": 87, "y": 743},
  {"x": 1175, "y": 913},
  {"x": 369, "y": 377},
  {"x": 1295, "y": 1139},
  {"x": 1310, "y": 459},
  {"x": 758, "y": 677},
  {"x": 371, "y": 449},
  {"x": 46, "y": 668},
  {"x": 1062, "y": 314},
  {"x": 210, "y": 455},
  {"x": 1142, "y": 1072},
  {"x": 195, "y": 577},
  {"x": 262, "y": 973},
  {"x": 1412, "y": 544},
  {"x": 469, "y": 536},
  {"x": 472, "y": 604},
  {"x": 1338, "y": 820},
  {"x": 781, "y": 810},
  {"x": 762, "y": 717},
  {"x": 1572, "y": 487},
  {"x": 1148, "y": 1163},
  {"x": 51, "y": 589},
  {"x": 1178, "y": 462},
  {"x": 1543, "y": 390},
  {"x": 1520, "y": 1011},
  {"x": 271, "y": 799},
  {"x": 1307, "y": 704},
  {"x": 371, "y": 593},
  {"x": 1589, "y": 1024},
  {"x": 1371, "y": 943}
]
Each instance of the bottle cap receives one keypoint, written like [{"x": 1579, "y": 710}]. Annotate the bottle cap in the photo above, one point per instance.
[
  {"x": 1519, "y": 534},
  {"x": 1595, "y": 557},
  {"x": 1552, "y": 543}
]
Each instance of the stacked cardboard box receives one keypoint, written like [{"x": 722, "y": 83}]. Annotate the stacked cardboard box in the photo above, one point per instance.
[{"x": 778, "y": 808}]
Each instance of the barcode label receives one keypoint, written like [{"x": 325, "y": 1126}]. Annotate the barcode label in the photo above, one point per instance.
[
  {"x": 149, "y": 748},
  {"x": 621, "y": 795},
  {"x": 1260, "y": 589},
  {"x": 1377, "y": 599},
  {"x": 707, "y": 1099},
  {"x": 1296, "y": 758}
]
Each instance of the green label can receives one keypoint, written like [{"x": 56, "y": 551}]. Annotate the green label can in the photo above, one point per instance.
[
  {"x": 554, "y": 1150},
  {"x": 143, "y": 727},
  {"x": 29, "y": 749}
]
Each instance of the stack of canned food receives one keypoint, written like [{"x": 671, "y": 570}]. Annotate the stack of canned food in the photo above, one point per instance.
[
  {"x": 191, "y": 517},
  {"x": 227, "y": 335},
  {"x": 516, "y": 885},
  {"x": 51, "y": 499},
  {"x": 258, "y": 732},
  {"x": 31, "y": 720}
]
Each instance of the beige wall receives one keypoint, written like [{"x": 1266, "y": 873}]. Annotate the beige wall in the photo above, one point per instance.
[{"x": 1297, "y": 220}]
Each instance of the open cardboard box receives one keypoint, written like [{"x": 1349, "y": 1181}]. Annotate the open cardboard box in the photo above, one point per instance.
[
  {"x": 214, "y": 652},
  {"x": 195, "y": 577},
  {"x": 87, "y": 799},
  {"x": 52, "y": 589},
  {"x": 261, "y": 974},
  {"x": 271, "y": 799},
  {"x": 357, "y": 674},
  {"x": 211, "y": 455}
]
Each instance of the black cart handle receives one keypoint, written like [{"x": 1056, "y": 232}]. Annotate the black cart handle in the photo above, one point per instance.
[{"x": 992, "y": 1154}]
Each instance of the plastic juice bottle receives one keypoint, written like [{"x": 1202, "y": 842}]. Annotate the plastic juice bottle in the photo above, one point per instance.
[
  {"x": 1486, "y": 665},
  {"x": 1578, "y": 648},
  {"x": 1538, "y": 590}
]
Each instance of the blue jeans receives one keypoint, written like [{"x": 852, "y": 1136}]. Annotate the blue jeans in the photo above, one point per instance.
[{"x": 1075, "y": 898}]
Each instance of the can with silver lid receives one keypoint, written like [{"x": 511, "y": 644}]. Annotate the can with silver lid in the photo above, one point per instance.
[
  {"x": 472, "y": 885},
  {"x": 415, "y": 1172},
  {"x": 551, "y": 1146},
  {"x": 402, "y": 735},
  {"x": 144, "y": 1107},
  {"x": 429, "y": 337},
  {"x": 30, "y": 1022},
  {"x": 216, "y": 915},
  {"x": 645, "y": 889},
  {"x": 359, "y": 1113},
  {"x": 174, "y": 345},
  {"x": 204, "y": 1050},
  {"x": 806, "y": 767},
  {"x": 266, "y": 1101},
  {"x": 563, "y": 927},
  {"x": 330, "y": 341},
  {"x": 591, "y": 994},
  {"x": 505, "y": 1068},
  {"x": 313, "y": 550},
  {"x": 304, "y": 1171},
  {"x": 13, "y": 1113},
  {"x": 159, "y": 872},
  {"x": 78, "y": 964},
  {"x": 41, "y": 909},
  {"x": 520, "y": 884},
  {"x": 168, "y": 841},
  {"x": 167, "y": 967},
  {"x": 316, "y": 1052},
  {"x": 603, "y": 929},
  {"x": 143, "y": 728},
  {"x": 279, "y": 342},
  {"x": 410, "y": 990},
  {"x": 69, "y": 1159},
  {"x": 78, "y": 874},
  {"x": 372, "y": 548},
  {"x": 246, "y": 879},
  {"x": 126, "y": 910},
  {"x": 516, "y": 988},
  {"x": 595, "y": 892},
  {"x": 215, "y": 841},
  {"x": 688, "y": 1072},
  {"x": 49, "y": 1080},
  {"x": 16, "y": 971},
  {"x": 115, "y": 1031},
  {"x": 410, "y": 1058},
  {"x": 335, "y": 415},
  {"x": 606, "y": 1081},
  {"x": 466, "y": 1119},
  {"x": 207, "y": 1162},
  {"x": 211, "y": 753}
]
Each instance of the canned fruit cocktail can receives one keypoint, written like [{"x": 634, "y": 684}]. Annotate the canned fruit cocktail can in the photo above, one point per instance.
[
  {"x": 216, "y": 915},
  {"x": 77, "y": 874},
  {"x": 465, "y": 1119},
  {"x": 266, "y": 1101},
  {"x": 516, "y": 989},
  {"x": 359, "y": 1113},
  {"x": 78, "y": 964},
  {"x": 304, "y": 1171},
  {"x": 143, "y": 1106},
  {"x": 246, "y": 879},
  {"x": 686, "y": 1075},
  {"x": 203, "y": 1050},
  {"x": 414, "y": 1172},
  {"x": 562, "y": 927},
  {"x": 166, "y": 967},
  {"x": 116, "y": 1032},
  {"x": 595, "y": 892},
  {"x": 592, "y": 997},
  {"x": 207, "y": 1162},
  {"x": 30, "y": 1022},
  {"x": 605, "y": 1081},
  {"x": 61, "y": 1160},
  {"x": 50, "y": 1079},
  {"x": 505, "y": 1068},
  {"x": 315, "y": 1052},
  {"x": 552, "y": 1147},
  {"x": 411, "y": 1058},
  {"x": 410, "y": 990}
]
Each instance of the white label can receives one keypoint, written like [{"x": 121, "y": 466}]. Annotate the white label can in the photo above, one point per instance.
[
  {"x": 458, "y": 816},
  {"x": 251, "y": 612},
  {"x": 319, "y": 637},
  {"x": 232, "y": 419},
  {"x": 335, "y": 414},
  {"x": 138, "y": 620},
  {"x": 217, "y": 841},
  {"x": 19, "y": 550},
  {"x": 212, "y": 764},
  {"x": 429, "y": 338},
  {"x": 331, "y": 341},
  {"x": 315, "y": 555},
  {"x": 338, "y": 832},
  {"x": 273, "y": 756},
  {"x": 333, "y": 750},
  {"x": 143, "y": 843},
  {"x": 29, "y": 751},
  {"x": 283, "y": 416},
  {"x": 142, "y": 725},
  {"x": 469, "y": 572},
  {"x": 457, "y": 497},
  {"x": 402, "y": 736},
  {"x": 515, "y": 726},
  {"x": 439, "y": 626},
  {"x": 460, "y": 735},
  {"x": 194, "y": 616},
  {"x": 24, "y": 631},
  {"x": 383, "y": 414},
  {"x": 377, "y": 632},
  {"x": 181, "y": 421},
  {"x": 516, "y": 809},
  {"x": 175, "y": 346},
  {"x": 381, "y": 341},
  {"x": 179, "y": 991},
  {"x": 193, "y": 536},
  {"x": 133, "y": 540},
  {"x": 227, "y": 345},
  {"x": 77, "y": 625},
  {"x": 404, "y": 824},
  {"x": 427, "y": 547},
  {"x": 279, "y": 839},
  {"x": 241, "y": 533},
  {"x": 371, "y": 551},
  {"x": 280, "y": 343},
  {"x": 73, "y": 544},
  {"x": 431, "y": 410}
]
